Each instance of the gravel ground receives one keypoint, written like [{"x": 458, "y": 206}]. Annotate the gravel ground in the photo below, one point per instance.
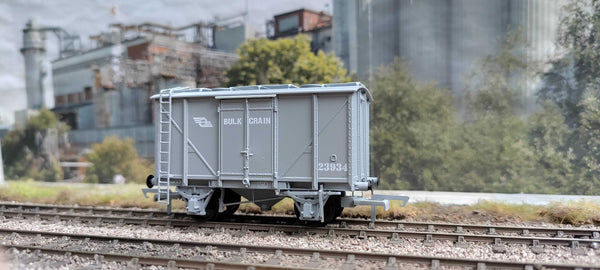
[{"x": 376, "y": 245}]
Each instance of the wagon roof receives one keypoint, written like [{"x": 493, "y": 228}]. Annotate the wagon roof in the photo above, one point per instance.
[{"x": 266, "y": 90}]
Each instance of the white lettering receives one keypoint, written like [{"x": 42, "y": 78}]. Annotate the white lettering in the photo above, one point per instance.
[
  {"x": 259, "y": 120},
  {"x": 333, "y": 167},
  {"x": 232, "y": 121},
  {"x": 251, "y": 121}
]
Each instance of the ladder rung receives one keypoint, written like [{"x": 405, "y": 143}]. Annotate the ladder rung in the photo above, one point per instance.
[
  {"x": 164, "y": 162},
  {"x": 163, "y": 152}
]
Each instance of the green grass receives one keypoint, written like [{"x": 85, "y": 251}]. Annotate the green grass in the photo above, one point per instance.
[
  {"x": 130, "y": 195},
  {"x": 570, "y": 212}
]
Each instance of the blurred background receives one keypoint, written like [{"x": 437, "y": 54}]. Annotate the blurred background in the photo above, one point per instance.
[{"x": 478, "y": 96}]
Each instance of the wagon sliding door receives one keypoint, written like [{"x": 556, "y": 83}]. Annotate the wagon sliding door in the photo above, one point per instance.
[{"x": 246, "y": 139}]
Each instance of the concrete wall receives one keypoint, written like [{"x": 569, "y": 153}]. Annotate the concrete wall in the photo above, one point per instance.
[
  {"x": 73, "y": 81},
  {"x": 143, "y": 136},
  {"x": 441, "y": 41},
  {"x": 85, "y": 117}
]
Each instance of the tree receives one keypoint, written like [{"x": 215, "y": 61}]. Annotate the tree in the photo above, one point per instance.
[
  {"x": 588, "y": 143},
  {"x": 495, "y": 156},
  {"x": 579, "y": 36},
  {"x": 572, "y": 86},
  {"x": 549, "y": 141},
  {"x": 411, "y": 127},
  {"x": 115, "y": 156},
  {"x": 26, "y": 152},
  {"x": 284, "y": 61}
]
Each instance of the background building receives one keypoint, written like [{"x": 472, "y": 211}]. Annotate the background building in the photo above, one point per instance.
[
  {"x": 105, "y": 90},
  {"x": 440, "y": 40},
  {"x": 317, "y": 25}
]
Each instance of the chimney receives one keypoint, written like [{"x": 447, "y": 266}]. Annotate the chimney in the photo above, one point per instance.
[{"x": 36, "y": 68}]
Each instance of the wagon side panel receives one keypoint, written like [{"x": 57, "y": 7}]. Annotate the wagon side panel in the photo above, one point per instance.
[
  {"x": 295, "y": 140},
  {"x": 202, "y": 149},
  {"x": 333, "y": 139},
  {"x": 176, "y": 153}
]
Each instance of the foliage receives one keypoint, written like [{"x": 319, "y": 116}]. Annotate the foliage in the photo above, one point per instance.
[
  {"x": 572, "y": 86},
  {"x": 495, "y": 154},
  {"x": 115, "y": 156},
  {"x": 567, "y": 80},
  {"x": 549, "y": 141},
  {"x": 416, "y": 142},
  {"x": 284, "y": 61},
  {"x": 586, "y": 142},
  {"x": 23, "y": 153},
  {"x": 410, "y": 124}
]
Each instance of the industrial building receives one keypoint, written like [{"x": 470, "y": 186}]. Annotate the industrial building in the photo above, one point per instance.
[
  {"x": 441, "y": 41},
  {"x": 105, "y": 90},
  {"x": 316, "y": 25}
]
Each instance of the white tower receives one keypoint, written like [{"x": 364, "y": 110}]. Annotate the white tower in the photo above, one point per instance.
[{"x": 34, "y": 52}]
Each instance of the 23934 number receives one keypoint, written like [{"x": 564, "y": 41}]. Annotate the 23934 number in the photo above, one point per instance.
[{"x": 333, "y": 167}]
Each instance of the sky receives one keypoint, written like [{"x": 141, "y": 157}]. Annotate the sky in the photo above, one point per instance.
[{"x": 90, "y": 17}]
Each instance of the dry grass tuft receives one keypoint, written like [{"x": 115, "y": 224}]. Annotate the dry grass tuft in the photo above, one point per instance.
[{"x": 572, "y": 212}]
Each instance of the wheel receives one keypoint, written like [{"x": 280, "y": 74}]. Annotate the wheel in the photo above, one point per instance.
[
  {"x": 339, "y": 212},
  {"x": 296, "y": 211},
  {"x": 332, "y": 209},
  {"x": 230, "y": 197}
]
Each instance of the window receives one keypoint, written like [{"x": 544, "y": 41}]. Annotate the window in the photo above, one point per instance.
[{"x": 288, "y": 23}]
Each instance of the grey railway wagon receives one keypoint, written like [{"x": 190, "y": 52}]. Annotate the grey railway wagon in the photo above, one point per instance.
[{"x": 265, "y": 143}]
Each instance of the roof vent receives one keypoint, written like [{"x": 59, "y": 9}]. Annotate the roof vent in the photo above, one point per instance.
[
  {"x": 277, "y": 86},
  {"x": 188, "y": 90},
  {"x": 222, "y": 89},
  {"x": 249, "y": 87},
  {"x": 311, "y": 85},
  {"x": 344, "y": 84}
]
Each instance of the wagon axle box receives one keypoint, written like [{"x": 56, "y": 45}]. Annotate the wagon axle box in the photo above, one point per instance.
[{"x": 309, "y": 143}]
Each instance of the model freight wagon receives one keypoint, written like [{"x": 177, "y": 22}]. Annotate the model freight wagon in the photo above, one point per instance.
[{"x": 265, "y": 143}]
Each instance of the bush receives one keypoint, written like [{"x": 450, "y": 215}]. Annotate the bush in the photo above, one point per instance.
[
  {"x": 29, "y": 154},
  {"x": 115, "y": 156}
]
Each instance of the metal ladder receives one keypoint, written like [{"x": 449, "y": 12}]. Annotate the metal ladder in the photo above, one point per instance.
[{"x": 165, "y": 104}]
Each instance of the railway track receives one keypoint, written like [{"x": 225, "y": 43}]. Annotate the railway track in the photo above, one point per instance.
[
  {"x": 461, "y": 234},
  {"x": 206, "y": 255},
  {"x": 341, "y": 222}
]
